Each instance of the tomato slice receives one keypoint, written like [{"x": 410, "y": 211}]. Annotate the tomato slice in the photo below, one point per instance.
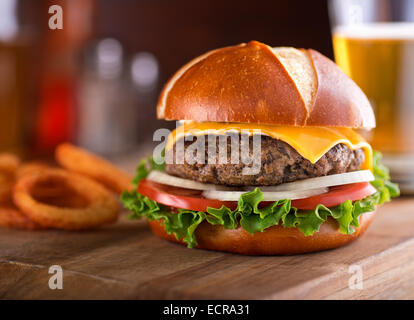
[
  {"x": 180, "y": 197},
  {"x": 336, "y": 195},
  {"x": 193, "y": 199}
]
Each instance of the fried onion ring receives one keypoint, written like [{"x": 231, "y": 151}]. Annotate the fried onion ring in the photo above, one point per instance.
[
  {"x": 83, "y": 162},
  {"x": 9, "y": 162},
  {"x": 41, "y": 191},
  {"x": 8, "y": 167},
  {"x": 31, "y": 167},
  {"x": 6, "y": 188},
  {"x": 11, "y": 217},
  {"x": 80, "y": 203}
]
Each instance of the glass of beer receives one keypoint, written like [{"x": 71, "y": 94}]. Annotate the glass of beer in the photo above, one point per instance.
[{"x": 373, "y": 43}]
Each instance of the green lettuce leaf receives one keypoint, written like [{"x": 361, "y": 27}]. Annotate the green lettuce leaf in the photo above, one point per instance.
[
  {"x": 253, "y": 218},
  {"x": 145, "y": 166}
]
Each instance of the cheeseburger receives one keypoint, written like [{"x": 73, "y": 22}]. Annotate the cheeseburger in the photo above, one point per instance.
[{"x": 267, "y": 159}]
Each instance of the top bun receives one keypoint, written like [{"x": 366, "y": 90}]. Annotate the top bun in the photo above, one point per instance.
[{"x": 254, "y": 83}]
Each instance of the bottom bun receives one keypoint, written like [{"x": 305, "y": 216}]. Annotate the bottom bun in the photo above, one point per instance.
[{"x": 275, "y": 240}]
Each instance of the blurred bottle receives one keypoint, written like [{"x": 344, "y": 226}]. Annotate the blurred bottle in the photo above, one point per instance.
[
  {"x": 145, "y": 73},
  {"x": 56, "y": 118},
  {"x": 17, "y": 38},
  {"x": 116, "y": 98},
  {"x": 107, "y": 110}
]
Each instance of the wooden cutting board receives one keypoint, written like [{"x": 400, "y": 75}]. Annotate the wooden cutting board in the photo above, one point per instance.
[{"x": 126, "y": 261}]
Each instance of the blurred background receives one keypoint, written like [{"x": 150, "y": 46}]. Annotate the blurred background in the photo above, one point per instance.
[{"x": 96, "y": 81}]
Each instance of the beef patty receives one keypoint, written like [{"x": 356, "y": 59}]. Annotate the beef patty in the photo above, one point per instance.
[{"x": 280, "y": 163}]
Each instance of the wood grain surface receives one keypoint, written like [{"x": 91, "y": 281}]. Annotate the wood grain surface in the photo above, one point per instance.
[{"x": 125, "y": 261}]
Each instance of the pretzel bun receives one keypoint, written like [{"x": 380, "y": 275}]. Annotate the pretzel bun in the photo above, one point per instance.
[
  {"x": 254, "y": 83},
  {"x": 275, "y": 240}
]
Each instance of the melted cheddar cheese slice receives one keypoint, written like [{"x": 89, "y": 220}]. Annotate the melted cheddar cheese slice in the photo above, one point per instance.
[{"x": 310, "y": 142}]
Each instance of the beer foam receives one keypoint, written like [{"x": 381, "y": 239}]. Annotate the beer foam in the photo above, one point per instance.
[{"x": 378, "y": 30}]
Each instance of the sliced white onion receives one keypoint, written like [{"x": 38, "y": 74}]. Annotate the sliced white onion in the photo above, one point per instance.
[
  {"x": 267, "y": 196},
  {"x": 164, "y": 178},
  {"x": 292, "y": 190},
  {"x": 321, "y": 182}
]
